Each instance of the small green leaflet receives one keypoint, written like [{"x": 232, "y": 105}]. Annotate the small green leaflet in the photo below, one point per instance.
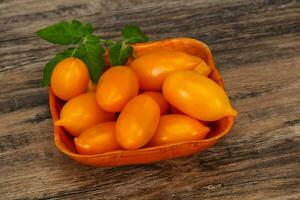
[
  {"x": 65, "y": 33},
  {"x": 133, "y": 34},
  {"x": 91, "y": 53},
  {"x": 108, "y": 43},
  {"x": 52, "y": 63},
  {"x": 119, "y": 53}
]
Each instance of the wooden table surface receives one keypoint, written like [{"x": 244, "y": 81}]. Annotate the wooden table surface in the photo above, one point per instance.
[{"x": 256, "y": 45}]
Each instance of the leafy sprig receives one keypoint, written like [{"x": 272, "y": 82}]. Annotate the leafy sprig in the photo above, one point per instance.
[
  {"x": 65, "y": 33},
  {"x": 120, "y": 51},
  {"x": 89, "y": 46}
]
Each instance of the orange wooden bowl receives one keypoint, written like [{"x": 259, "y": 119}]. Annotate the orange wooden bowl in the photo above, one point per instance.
[{"x": 65, "y": 143}]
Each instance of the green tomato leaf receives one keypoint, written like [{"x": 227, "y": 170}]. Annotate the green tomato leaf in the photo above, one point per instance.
[
  {"x": 52, "y": 63},
  {"x": 133, "y": 34},
  {"x": 119, "y": 53},
  {"x": 108, "y": 43},
  {"x": 88, "y": 29},
  {"x": 72, "y": 52},
  {"x": 65, "y": 33},
  {"x": 91, "y": 53}
]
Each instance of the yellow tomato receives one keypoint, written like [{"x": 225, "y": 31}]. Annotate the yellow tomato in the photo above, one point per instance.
[
  {"x": 69, "y": 78},
  {"x": 116, "y": 87},
  {"x": 97, "y": 139},
  {"x": 160, "y": 99},
  {"x": 137, "y": 122},
  {"x": 82, "y": 112},
  {"x": 197, "y": 96},
  {"x": 175, "y": 128},
  {"x": 151, "y": 69}
]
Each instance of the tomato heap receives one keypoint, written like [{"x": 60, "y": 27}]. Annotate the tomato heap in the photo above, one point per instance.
[{"x": 163, "y": 97}]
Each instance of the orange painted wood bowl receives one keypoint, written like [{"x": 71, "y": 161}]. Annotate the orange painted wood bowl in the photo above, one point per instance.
[{"x": 65, "y": 143}]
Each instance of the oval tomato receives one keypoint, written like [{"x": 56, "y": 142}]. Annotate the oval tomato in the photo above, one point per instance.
[
  {"x": 160, "y": 99},
  {"x": 151, "y": 69},
  {"x": 197, "y": 96},
  {"x": 175, "y": 128},
  {"x": 116, "y": 87},
  {"x": 97, "y": 139},
  {"x": 69, "y": 78},
  {"x": 82, "y": 112},
  {"x": 137, "y": 122}
]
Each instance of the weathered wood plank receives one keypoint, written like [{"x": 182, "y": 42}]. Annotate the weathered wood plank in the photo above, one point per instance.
[{"x": 256, "y": 45}]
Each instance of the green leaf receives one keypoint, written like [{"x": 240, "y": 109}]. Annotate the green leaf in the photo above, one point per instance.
[
  {"x": 108, "y": 43},
  {"x": 52, "y": 63},
  {"x": 91, "y": 53},
  {"x": 88, "y": 29},
  {"x": 79, "y": 29},
  {"x": 65, "y": 33},
  {"x": 133, "y": 34},
  {"x": 119, "y": 53},
  {"x": 72, "y": 52}
]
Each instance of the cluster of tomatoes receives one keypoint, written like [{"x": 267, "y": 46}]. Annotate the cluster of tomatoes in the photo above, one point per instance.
[{"x": 163, "y": 97}]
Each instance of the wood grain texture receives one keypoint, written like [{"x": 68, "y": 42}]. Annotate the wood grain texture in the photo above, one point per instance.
[{"x": 256, "y": 45}]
